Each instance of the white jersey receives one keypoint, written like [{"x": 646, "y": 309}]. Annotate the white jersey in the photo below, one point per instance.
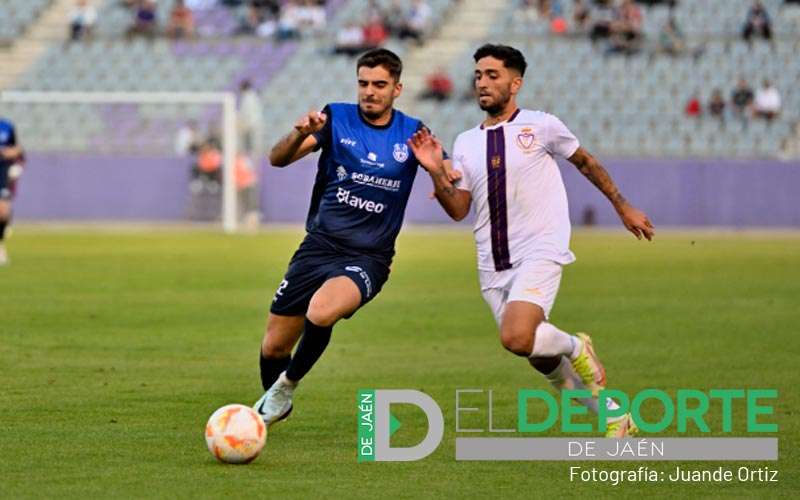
[{"x": 517, "y": 192}]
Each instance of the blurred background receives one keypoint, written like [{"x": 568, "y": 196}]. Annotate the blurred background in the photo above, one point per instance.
[{"x": 693, "y": 105}]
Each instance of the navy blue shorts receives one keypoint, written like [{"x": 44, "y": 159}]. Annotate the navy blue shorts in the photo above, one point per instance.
[
  {"x": 6, "y": 188},
  {"x": 317, "y": 261}
]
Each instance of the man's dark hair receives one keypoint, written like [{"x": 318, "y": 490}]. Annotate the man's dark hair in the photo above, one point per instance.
[
  {"x": 511, "y": 57},
  {"x": 382, "y": 57}
]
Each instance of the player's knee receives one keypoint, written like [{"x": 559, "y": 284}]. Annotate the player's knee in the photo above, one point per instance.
[
  {"x": 271, "y": 347},
  {"x": 5, "y": 211},
  {"x": 322, "y": 312},
  {"x": 517, "y": 340}
]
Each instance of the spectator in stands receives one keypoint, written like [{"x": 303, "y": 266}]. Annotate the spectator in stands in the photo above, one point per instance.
[
  {"x": 349, "y": 40},
  {"x": 393, "y": 18},
  {"x": 580, "y": 16},
  {"x": 269, "y": 7},
  {"x": 181, "y": 21},
  {"x": 416, "y": 22},
  {"x": 535, "y": 10},
  {"x": 145, "y": 22},
  {"x": 757, "y": 23},
  {"x": 716, "y": 105},
  {"x": 439, "y": 86},
  {"x": 693, "y": 108},
  {"x": 311, "y": 17},
  {"x": 373, "y": 11},
  {"x": 626, "y": 29},
  {"x": 289, "y": 21},
  {"x": 742, "y": 98},
  {"x": 81, "y": 20},
  {"x": 250, "y": 18},
  {"x": 544, "y": 11},
  {"x": 671, "y": 40},
  {"x": 767, "y": 102},
  {"x": 602, "y": 18},
  {"x": 375, "y": 33}
]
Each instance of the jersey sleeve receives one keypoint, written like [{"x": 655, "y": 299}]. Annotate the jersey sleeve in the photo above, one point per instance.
[
  {"x": 560, "y": 141},
  {"x": 10, "y": 134},
  {"x": 464, "y": 183},
  {"x": 422, "y": 126},
  {"x": 324, "y": 136}
]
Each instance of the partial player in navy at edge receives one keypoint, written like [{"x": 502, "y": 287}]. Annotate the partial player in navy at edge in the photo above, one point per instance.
[
  {"x": 12, "y": 159},
  {"x": 364, "y": 178}
]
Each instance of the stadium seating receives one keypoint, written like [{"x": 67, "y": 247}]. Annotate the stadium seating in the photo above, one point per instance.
[
  {"x": 617, "y": 105},
  {"x": 16, "y": 15}
]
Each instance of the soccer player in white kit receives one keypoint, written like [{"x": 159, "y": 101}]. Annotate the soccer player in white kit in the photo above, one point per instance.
[{"x": 506, "y": 168}]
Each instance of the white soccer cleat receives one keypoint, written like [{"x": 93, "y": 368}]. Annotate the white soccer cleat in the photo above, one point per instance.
[
  {"x": 3, "y": 255},
  {"x": 276, "y": 404}
]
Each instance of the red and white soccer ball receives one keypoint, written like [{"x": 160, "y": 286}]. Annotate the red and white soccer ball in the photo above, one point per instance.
[{"x": 235, "y": 434}]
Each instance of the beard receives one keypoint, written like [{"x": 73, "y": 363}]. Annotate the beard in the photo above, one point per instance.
[
  {"x": 372, "y": 114},
  {"x": 496, "y": 107}
]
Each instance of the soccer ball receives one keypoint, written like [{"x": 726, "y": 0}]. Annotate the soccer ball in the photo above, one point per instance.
[{"x": 235, "y": 434}]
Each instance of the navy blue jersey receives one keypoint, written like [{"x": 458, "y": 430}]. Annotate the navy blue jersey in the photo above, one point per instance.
[
  {"x": 7, "y": 135},
  {"x": 364, "y": 179},
  {"x": 8, "y": 138}
]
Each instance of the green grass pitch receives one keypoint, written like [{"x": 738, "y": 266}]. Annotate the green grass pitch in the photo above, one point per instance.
[{"x": 116, "y": 346}]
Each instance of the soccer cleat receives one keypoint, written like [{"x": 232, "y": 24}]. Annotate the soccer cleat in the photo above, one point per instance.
[
  {"x": 622, "y": 427},
  {"x": 276, "y": 404},
  {"x": 3, "y": 255},
  {"x": 589, "y": 368}
]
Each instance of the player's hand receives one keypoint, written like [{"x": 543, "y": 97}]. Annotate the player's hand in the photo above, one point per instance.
[
  {"x": 452, "y": 175},
  {"x": 310, "y": 123},
  {"x": 637, "y": 222},
  {"x": 427, "y": 149}
]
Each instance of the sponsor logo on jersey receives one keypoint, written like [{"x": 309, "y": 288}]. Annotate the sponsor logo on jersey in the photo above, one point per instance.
[
  {"x": 341, "y": 173},
  {"x": 375, "y": 181},
  {"x": 525, "y": 140},
  {"x": 347, "y": 141},
  {"x": 400, "y": 152},
  {"x": 371, "y": 163},
  {"x": 344, "y": 196},
  {"x": 372, "y": 156}
]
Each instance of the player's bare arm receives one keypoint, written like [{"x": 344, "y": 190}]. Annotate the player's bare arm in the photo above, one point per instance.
[
  {"x": 299, "y": 142},
  {"x": 634, "y": 219},
  {"x": 430, "y": 154},
  {"x": 10, "y": 152}
]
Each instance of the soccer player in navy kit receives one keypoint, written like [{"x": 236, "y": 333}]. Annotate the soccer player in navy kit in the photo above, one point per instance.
[
  {"x": 363, "y": 182},
  {"x": 11, "y": 160}
]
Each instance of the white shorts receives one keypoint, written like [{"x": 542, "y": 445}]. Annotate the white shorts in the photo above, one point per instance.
[{"x": 534, "y": 281}]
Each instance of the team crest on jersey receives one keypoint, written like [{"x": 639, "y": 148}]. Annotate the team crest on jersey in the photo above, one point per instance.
[
  {"x": 400, "y": 152},
  {"x": 341, "y": 173},
  {"x": 525, "y": 140}
]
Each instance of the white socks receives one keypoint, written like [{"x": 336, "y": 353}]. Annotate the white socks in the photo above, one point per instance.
[
  {"x": 549, "y": 342},
  {"x": 564, "y": 377}
]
